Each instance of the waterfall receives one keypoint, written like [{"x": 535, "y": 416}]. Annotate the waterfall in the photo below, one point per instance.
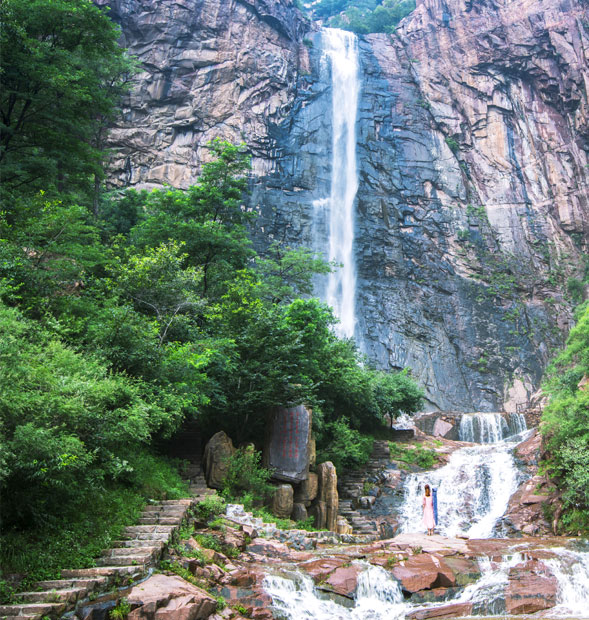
[
  {"x": 490, "y": 427},
  {"x": 340, "y": 49},
  {"x": 378, "y": 597},
  {"x": 571, "y": 569},
  {"x": 475, "y": 486}
]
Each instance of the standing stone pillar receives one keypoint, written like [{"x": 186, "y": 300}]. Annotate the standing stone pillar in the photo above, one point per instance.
[{"x": 325, "y": 507}]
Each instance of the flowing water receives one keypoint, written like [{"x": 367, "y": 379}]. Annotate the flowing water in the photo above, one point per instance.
[
  {"x": 475, "y": 486},
  {"x": 379, "y": 597},
  {"x": 336, "y": 213}
]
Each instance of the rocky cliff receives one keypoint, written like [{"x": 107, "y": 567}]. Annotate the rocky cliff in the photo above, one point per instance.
[{"x": 473, "y": 138}]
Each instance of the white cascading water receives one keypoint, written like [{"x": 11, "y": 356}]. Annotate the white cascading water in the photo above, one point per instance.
[
  {"x": 571, "y": 569},
  {"x": 490, "y": 427},
  {"x": 340, "y": 48},
  {"x": 378, "y": 597},
  {"x": 475, "y": 486}
]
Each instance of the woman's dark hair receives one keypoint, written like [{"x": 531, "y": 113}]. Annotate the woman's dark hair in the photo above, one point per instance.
[{"x": 427, "y": 490}]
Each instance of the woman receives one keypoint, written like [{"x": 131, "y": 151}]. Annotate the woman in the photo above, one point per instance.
[{"x": 428, "y": 511}]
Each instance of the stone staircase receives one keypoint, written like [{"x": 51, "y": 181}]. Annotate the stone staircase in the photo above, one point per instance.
[
  {"x": 351, "y": 486},
  {"x": 126, "y": 561}
]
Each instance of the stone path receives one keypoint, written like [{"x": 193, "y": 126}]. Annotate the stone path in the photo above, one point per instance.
[
  {"x": 351, "y": 486},
  {"x": 127, "y": 560}
]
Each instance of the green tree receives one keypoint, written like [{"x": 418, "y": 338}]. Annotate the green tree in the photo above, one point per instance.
[
  {"x": 565, "y": 422},
  {"x": 209, "y": 218},
  {"x": 62, "y": 75}
]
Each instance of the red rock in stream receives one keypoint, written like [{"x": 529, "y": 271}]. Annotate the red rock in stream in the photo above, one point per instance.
[
  {"x": 319, "y": 569},
  {"x": 423, "y": 572},
  {"x": 344, "y": 580},
  {"x": 447, "y": 611},
  {"x": 531, "y": 588},
  {"x": 169, "y": 597}
]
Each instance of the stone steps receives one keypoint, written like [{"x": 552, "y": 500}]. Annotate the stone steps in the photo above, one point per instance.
[
  {"x": 351, "y": 486},
  {"x": 139, "y": 547}
]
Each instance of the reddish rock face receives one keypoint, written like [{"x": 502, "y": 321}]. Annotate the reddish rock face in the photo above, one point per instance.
[
  {"x": 423, "y": 572},
  {"x": 344, "y": 580},
  {"x": 169, "y": 598},
  {"x": 447, "y": 611},
  {"x": 531, "y": 588},
  {"x": 318, "y": 570}
]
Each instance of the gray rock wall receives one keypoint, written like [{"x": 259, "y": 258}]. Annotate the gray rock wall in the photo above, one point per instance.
[{"x": 473, "y": 138}]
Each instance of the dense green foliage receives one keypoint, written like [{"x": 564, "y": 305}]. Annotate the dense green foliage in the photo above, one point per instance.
[
  {"x": 363, "y": 16},
  {"x": 62, "y": 72},
  {"x": 565, "y": 423},
  {"x": 123, "y": 314}
]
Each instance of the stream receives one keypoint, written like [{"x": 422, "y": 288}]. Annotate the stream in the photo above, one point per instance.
[{"x": 473, "y": 492}]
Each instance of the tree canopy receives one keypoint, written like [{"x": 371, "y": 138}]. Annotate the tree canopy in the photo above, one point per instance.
[{"x": 62, "y": 74}]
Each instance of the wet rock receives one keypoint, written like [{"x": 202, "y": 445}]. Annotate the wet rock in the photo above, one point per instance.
[
  {"x": 268, "y": 548},
  {"x": 282, "y": 501},
  {"x": 423, "y": 572},
  {"x": 466, "y": 570},
  {"x": 216, "y": 457},
  {"x": 165, "y": 597},
  {"x": 531, "y": 587},
  {"x": 446, "y": 611},
  {"x": 319, "y": 569},
  {"x": 344, "y": 580}
]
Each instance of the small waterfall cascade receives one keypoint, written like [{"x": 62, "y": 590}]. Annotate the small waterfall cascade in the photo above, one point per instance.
[
  {"x": 571, "y": 569},
  {"x": 336, "y": 214},
  {"x": 490, "y": 427},
  {"x": 475, "y": 486},
  {"x": 378, "y": 596}
]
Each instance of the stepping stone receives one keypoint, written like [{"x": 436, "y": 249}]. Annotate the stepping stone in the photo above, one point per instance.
[
  {"x": 31, "y": 609},
  {"x": 108, "y": 571},
  {"x": 150, "y": 542},
  {"x": 126, "y": 561},
  {"x": 64, "y": 584},
  {"x": 70, "y": 595}
]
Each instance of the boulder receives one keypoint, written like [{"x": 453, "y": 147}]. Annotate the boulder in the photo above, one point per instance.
[
  {"x": 344, "y": 580},
  {"x": 342, "y": 526},
  {"x": 216, "y": 457},
  {"x": 306, "y": 491},
  {"x": 446, "y": 611},
  {"x": 531, "y": 587},
  {"x": 288, "y": 443},
  {"x": 326, "y": 505},
  {"x": 320, "y": 569},
  {"x": 299, "y": 512},
  {"x": 423, "y": 572},
  {"x": 167, "y": 597},
  {"x": 441, "y": 428},
  {"x": 282, "y": 501}
]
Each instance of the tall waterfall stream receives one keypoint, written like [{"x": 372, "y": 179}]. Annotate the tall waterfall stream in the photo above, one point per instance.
[
  {"x": 336, "y": 214},
  {"x": 473, "y": 490}
]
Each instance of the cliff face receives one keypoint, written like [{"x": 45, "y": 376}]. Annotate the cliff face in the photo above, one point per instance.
[{"x": 472, "y": 128}]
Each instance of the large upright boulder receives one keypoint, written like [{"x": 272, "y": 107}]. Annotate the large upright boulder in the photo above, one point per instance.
[
  {"x": 288, "y": 443},
  {"x": 216, "y": 457},
  {"x": 306, "y": 492},
  {"x": 282, "y": 501},
  {"x": 325, "y": 507}
]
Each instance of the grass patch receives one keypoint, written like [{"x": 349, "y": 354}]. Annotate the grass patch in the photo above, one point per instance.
[{"x": 423, "y": 457}]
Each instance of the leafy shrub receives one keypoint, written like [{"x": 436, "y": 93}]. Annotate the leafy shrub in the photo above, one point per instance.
[
  {"x": 413, "y": 456},
  {"x": 565, "y": 424},
  {"x": 121, "y": 611},
  {"x": 209, "y": 508},
  {"x": 345, "y": 447},
  {"x": 246, "y": 476}
]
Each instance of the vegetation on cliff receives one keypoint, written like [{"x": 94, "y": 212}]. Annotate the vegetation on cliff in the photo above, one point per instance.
[
  {"x": 123, "y": 314},
  {"x": 363, "y": 16},
  {"x": 565, "y": 424}
]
